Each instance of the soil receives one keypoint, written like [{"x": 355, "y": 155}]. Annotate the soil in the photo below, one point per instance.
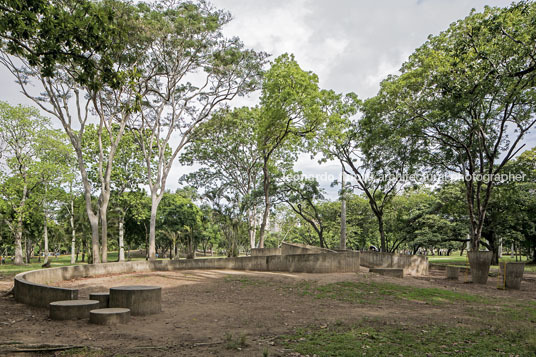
[{"x": 207, "y": 312}]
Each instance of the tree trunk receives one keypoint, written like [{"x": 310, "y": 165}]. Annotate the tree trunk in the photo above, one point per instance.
[
  {"x": 74, "y": 257},
  {"x": 45, "y": 236},
  {"x": 103, "y": 209},
  {"x": 383, "y": 245},
  {"x": 121, "y": 237},
  {"x": 18, "y": 234},
  {"x": 251, "y": 227},
  {"x": 266, "y": 187},
  {"x": 342, "y": 245},
  {"x": 152, "y": 227}
]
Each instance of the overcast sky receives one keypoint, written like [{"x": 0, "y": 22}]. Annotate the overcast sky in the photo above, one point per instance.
[{"x": 350, "y": 44}]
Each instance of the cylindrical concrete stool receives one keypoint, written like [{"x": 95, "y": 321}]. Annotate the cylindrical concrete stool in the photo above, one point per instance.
[
  {"x": 110, "y": 316},
  {"x": 514, "y": 274},
  {"x": 103, "y": 298},
  {"x": 71, "y": 309},
  {"x": 140, "y": 299},
  {"x": 453, "y": 272}
]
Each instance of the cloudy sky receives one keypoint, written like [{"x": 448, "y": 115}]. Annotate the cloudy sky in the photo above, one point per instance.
[{"x": 351, "y": 44}]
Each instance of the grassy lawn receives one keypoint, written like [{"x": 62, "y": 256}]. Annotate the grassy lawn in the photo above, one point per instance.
[
  {"x": 377, "y": 292},
  {"x": 491, "y": 326},
  {"x": 375, "y": 338},
  {"x": 9, "y": 270},
  {"x": 456, "y": 259}
]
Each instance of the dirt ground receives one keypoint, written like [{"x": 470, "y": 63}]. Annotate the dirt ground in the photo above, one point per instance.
[{"x": 203, "y": 309}]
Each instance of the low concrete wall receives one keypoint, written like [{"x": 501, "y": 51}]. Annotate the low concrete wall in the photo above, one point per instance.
[
  {"x": 265, "y": 251},
  {"x": 31, "y": 287},
  {"x": 296, "y": 248},
  {"x": 412, "y": 264}
]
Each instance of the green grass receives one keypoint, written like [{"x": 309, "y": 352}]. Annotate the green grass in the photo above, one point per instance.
[
  {"x": 9, "y": 270},
  {"x": 456, "y": 259},
  {"x": 374, "y": 292},
  {"x": 372, "y": 338}
]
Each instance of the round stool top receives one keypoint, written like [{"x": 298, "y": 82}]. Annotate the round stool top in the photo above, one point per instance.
[
  {"x": 136, "y": 287},
  {"x": 74, "y": 302},
  {"x": 99, "y": 294},
  {"x": 110, "y": 310}
]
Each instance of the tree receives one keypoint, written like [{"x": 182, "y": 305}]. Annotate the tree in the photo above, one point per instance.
[
  {"x": 180, "y": 217},
  {"x": 192, "y": 70},
  {"x": 20, "y": 128},
  {"x": 291, "y": 111},
  {"x": 54, "y": 169},
  {"x": 304, "y": 197},
  {"x": 468, "y": 96},
  {"x": 226, "y": 148},
  {"x": 42, "y": 42},
  {"x": 127, "y": 172}
]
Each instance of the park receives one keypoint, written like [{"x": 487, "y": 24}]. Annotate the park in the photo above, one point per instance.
[{"x": 295, "y": 179}]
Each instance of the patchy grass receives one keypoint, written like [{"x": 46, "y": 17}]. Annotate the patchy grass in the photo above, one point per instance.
[
  {"x": 372, "y": 338},
  {"x": 235, "y": 343},
  {"x": 374, "y": 292},
  {"x": 245, "y": 281}
]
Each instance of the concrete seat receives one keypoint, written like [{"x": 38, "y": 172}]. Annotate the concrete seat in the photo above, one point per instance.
[
  {"x": 71, "y": 309},
  {"x": 103, "y": 298},
  {"x": 109, "y": 316},
  {"x": 394, "y": 272},
  {"x": 140, "y": 299}
]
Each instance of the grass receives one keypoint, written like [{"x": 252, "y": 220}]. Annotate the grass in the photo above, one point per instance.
[
  {"x": 235, "y": 343},
  {"x": 10, "y": 270},
  {"x": 372, "y": 338},
  {"x": 374, "y": 292},
  {"x": 456, "y": 259}
]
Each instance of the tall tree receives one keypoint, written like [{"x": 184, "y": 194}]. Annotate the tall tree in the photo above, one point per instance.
[
  {"x": 226, "y": 148},
  {"x": 469, "y": 96},
  {"x": 292, "y": 109},
  {"x": 192, "y": 70},
  {"x": 20, "y": 129},
  {"x": 82, "y": 56}
]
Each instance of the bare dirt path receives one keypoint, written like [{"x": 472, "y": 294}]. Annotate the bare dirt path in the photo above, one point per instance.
[{"x": 208, "y": 312}]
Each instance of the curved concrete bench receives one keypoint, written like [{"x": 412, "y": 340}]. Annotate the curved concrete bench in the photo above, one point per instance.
[
  {"x": 109, "y": 316},
  {"x": 33, "y": 287},
  {"x": 71, "y": 309},
  {"x": 140, "y": 299}
]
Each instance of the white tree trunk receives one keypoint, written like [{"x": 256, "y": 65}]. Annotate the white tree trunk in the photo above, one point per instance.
[
  {"x": 73, "y": 234},
  {"x": 343, "y": 214},
  {"x": 121, "y": 237},
  {"x": 45, "y": 236},
  {"x": 152, "y": 227}
]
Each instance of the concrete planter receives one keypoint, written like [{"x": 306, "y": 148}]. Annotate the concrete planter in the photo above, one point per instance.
[
  {"x": 480, "y": 262},
  {"x": 453, "y": 273},
  {"x": 514, "y": 274}
]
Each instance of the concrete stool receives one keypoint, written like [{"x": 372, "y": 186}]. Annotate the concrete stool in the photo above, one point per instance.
[
  {"x": 140, "y": 299},
  {"x": 103, "y": 298},
  {"x": 71, "y": 309},
  {"x": 109, "y": 316},
  {"x": 453, "y": 272},
  {"x": 394, "y": 272}
]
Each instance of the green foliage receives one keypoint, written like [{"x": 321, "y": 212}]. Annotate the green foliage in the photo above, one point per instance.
[
  {"x": 87, "y": 36},
  {"x": 466, "y": 99}
]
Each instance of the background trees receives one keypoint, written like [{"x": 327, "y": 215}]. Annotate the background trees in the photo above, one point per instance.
[
  {"x": 468, "y": 96},
  {"x": 144, "y": 84}
]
